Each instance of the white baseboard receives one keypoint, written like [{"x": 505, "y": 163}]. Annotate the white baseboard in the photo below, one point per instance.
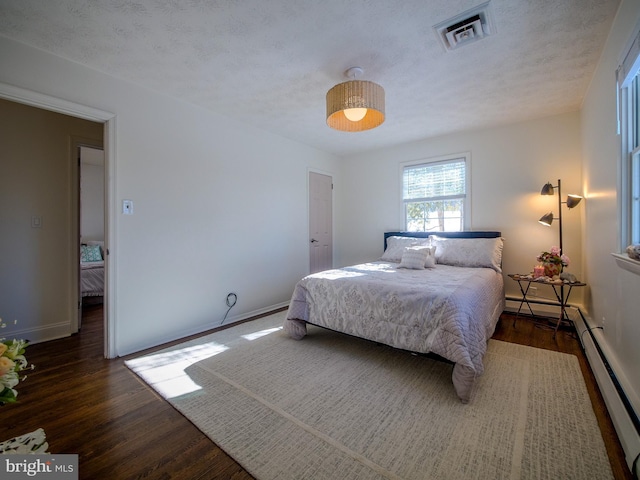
[
  {"x": 542, "y": 309},
  {"x": 43, "y": 334},
  {"x": 199, "y": 329},
  {"x": 254, "y": 313}
]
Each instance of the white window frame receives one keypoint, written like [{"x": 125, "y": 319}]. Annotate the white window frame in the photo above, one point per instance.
[
  {"x": 634, "y": 200},
  {"x": 629, "y": 130},
  {"x": 466, "y": 156}
]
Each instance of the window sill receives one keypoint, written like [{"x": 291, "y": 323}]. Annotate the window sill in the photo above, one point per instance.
[{"x": 627, "y": 263}]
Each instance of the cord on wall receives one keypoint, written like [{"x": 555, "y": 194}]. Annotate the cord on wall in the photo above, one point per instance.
[{"x": 232, "y": 299}]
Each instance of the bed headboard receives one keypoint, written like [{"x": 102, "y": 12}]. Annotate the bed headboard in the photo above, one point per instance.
[{"x": 469, "y": 234}]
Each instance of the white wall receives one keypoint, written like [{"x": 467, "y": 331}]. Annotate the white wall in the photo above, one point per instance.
[
  {"x": 509, "y": 166},
  {"x": 219, "y": 207},
  {"x": 614, "y": 291},
  {"x": 92, "y": 196}
]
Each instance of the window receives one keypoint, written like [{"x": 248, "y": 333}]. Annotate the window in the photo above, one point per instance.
[
  {"x": 434, "y": 194},
  {"x": 631, "y": 159},
  {"x": 628, "y": 75}
]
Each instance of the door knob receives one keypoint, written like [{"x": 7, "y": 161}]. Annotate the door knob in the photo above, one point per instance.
[{"x": 313, "y": 240}]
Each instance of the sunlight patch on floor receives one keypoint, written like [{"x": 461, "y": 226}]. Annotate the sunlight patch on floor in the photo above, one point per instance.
[
  {"x": 166, "y": 371},
  {"x": 261, "y": 333}
]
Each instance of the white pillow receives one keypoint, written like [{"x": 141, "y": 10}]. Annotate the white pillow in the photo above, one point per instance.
[
  {"x": 418, "y": 258},
  {"x": 431, "y": 259},
  {"x": 469, "y": 252},
  {"x": 396, "y": 246}
]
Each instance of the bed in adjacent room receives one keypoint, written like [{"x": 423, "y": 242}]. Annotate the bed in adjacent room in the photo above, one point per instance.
[
  {"x": 91, "y": 270},
  {"x": 441, "y": 293}
]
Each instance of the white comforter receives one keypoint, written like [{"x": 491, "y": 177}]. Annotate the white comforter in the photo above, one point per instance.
[{"x": 450, "y": 311}]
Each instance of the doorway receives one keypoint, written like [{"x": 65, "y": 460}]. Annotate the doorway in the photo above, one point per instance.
[
  {"x": 91, "y": 219},
  {"x": 320, "y": 222},
  {"x": 53, "y": 327}
]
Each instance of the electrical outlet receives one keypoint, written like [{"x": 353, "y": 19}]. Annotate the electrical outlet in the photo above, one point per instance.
[
  {"x": 602, "y": 323},
  {"x": 533, "y": 291}
]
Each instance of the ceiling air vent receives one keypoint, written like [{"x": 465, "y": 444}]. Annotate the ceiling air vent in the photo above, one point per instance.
[{"x": 468, "y": 27}]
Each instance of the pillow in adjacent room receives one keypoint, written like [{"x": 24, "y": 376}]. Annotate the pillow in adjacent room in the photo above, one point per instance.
[
  {"x": 100, "y": 243},
  {"x": 90, "y": 253},
  {"x": 396, "y": 246},
  {"x": 469, "y": 252},
  {"x": 418, "y": 258}
]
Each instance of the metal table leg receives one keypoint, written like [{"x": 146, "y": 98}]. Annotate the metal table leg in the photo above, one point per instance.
[
  {"x": 563, "y": 305},
  {"x": 524, "y": 300}
]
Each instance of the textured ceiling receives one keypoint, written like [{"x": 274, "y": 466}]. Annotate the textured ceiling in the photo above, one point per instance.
[{"x": 269, "y": 63}]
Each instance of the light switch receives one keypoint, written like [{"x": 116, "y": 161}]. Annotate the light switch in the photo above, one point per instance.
[
  {"x": 36, "y": 222},
  {"x": 127, "y": 207}
]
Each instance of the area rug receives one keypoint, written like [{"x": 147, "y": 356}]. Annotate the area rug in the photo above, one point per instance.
[
  {"x": 30, "y": 443},
  {"x": 332, "y": 406}
]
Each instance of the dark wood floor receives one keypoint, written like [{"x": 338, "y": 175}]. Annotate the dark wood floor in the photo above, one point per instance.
[{"x": 122, "y": 430}]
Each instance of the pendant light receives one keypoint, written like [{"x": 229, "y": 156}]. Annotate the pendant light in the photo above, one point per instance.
[{"x": 355, "y": 105}]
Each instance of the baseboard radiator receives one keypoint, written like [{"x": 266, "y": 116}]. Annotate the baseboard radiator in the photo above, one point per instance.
[{"x": 625, "y": 418}]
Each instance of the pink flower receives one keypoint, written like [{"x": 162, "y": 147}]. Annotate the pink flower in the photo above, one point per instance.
[{"x": 553, "y": 256}]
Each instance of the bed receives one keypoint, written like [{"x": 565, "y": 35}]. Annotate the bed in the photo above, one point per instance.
[
  {"x": 91, "y": 270},
  {"x": 439, "y": 293}
]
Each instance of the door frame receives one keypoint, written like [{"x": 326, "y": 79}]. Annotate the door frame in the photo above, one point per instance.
[
  {"x": 54, "y": 104},
  {"x": 311, "y": 170}
]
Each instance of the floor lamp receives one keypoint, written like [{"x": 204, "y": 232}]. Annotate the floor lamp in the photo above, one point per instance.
[{"x": 572, "y": 201}]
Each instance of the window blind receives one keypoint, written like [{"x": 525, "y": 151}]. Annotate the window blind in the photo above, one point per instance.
[{"x": 439, "y": 180}]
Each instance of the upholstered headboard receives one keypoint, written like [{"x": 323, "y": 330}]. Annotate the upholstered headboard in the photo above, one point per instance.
[{"x": 469, "y": 234}]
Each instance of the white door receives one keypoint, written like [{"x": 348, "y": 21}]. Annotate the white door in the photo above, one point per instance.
[{"x": 320, "y": 222}]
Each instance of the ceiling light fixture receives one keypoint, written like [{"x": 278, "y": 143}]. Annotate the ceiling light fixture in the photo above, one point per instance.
[{"x": 355, "y": 105}]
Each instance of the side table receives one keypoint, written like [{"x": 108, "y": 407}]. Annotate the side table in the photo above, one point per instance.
[{"x": 559, "y": 289}]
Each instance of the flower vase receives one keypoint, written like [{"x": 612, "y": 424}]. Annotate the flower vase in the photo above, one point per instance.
[{"x": 552, "y": 269}]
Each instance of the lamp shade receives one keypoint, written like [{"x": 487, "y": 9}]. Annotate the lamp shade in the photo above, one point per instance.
[
  {"x": 547, "y": 189},
  {"x": 547, "y": 219},
  {"x": 362, "y": 100},
  {"x": 573, "y": 200}
]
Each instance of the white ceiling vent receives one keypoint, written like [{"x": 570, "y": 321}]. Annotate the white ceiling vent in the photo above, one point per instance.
[{"x": 468, "y": 27}]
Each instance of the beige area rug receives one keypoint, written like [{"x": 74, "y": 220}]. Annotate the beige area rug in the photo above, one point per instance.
[
  {"x": 30, "y": 443},
  {"x": 336, "y": 407}
]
